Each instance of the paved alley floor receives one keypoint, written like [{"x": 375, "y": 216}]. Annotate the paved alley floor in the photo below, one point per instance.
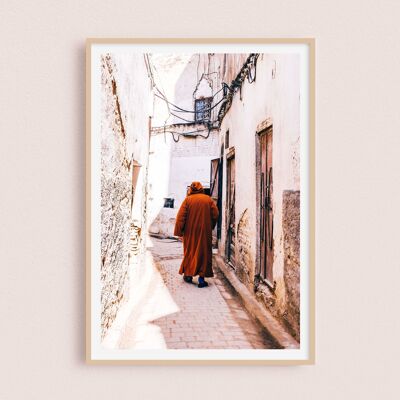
[{"x": 166, "y": 312}]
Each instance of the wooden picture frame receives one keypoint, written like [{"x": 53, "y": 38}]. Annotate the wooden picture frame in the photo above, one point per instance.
[{"x": 304, "y": 49}]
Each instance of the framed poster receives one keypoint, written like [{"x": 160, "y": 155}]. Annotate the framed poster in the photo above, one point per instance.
[{"x": 200, "y": 201}]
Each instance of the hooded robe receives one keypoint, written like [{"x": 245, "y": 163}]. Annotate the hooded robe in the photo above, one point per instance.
[{"x": 195, "y": 221}]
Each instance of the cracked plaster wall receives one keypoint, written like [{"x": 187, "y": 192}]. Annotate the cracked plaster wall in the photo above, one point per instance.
[
  {"x": 124, "y": 140},
  {"x": 274, "y": 96}
]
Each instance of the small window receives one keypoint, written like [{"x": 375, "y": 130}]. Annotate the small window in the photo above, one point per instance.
[
  {"x": 227, "y": 139},
  {"x": 202, "y": 109},
  {"x": 168, "y": 202}
]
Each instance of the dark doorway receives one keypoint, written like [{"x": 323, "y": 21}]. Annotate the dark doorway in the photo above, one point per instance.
[
  {"x": 214, "y": 193},
  {"x": 230, "y": 209},
  {"x": 266, "y": 211}
]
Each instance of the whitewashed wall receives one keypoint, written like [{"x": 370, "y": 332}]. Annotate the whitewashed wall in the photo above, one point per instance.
[
  {"x": 274, "y": 96},
  {"x": 173, "y": 167},
  {"x": 126, "y": 100}
]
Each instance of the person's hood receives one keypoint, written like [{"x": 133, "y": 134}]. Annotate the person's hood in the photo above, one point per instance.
[{"x": 196, "y": 187}]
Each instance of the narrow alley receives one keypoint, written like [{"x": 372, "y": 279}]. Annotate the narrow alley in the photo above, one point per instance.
[
  {"x": 210, "y": 317},
  {"x": 171, "y": 121},
  {"x": 207, "y": 318}
]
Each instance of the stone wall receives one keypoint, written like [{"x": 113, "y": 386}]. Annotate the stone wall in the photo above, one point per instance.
[
  {"x": 273, "y": 101},
  {"x": 115, "y": 198},
  {"x": 244, "y": 251},
  {"x": 125, "y": 108},
  {"x": 291, "y": 246},
  {"x": 284, "y": 303}
]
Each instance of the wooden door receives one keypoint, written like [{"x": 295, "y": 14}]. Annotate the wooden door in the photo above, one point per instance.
[
  {"x": 266, "y": 209},
  {"x": 214, "y": 193},
  {"x": 230, "y": 207}
]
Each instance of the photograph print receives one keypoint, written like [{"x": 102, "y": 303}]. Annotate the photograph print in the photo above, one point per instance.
[{"x": 200, "y": 201}]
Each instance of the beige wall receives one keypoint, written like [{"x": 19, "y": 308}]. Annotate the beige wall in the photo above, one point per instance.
[
  {"x": 42, "y": 199},
  {"x": 175, "y": 165},
  {"x": 126, "y": 93},
  {"x": 274, "y": 96},
  {"x": 198, "y": 80},
  {"x": 172, "y": 168}
]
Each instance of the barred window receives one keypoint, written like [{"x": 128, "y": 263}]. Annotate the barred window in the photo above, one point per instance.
[{"x": 202, "y": 109}]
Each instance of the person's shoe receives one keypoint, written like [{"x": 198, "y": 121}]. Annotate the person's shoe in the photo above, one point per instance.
[
  {"x": 188, "y": 279},
  {"x": 202, "y": 283}
]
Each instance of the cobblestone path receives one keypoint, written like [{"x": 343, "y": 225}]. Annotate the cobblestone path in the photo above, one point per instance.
[
  {"x": 164, "y": 312},
  {"x": 211, "y": 317}
]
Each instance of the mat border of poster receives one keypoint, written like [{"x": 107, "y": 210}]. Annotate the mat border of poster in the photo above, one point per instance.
[{"x": 310, "y": 359}]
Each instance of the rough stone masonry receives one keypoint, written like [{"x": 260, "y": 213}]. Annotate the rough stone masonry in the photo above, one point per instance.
[
  {"x": 116, "y": 193},
  {"x": 291, "y": 244}
]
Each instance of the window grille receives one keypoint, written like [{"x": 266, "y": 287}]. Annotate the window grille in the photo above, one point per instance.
[{"x": 202, "y": 109}]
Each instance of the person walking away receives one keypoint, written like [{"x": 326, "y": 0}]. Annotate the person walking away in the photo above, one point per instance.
[{"x": 195, "y": 221}]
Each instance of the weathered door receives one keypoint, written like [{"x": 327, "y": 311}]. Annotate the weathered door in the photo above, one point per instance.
[
  {"x": 266, "y": 210},
  {"x": 214, "y": 178},
  {"x": 230, "y": 207}
]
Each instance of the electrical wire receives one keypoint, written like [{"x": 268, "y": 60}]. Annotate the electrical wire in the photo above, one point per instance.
[
  {"x": 157, "y": 130},
  {"x": 179, "y": 109},
  {"x": 187, "y": 134},
  {"x": 183, "y": 119},
  {"x": 184, "y": 135},
  {"x": 192, "y": 112},
  {"x": 161, "y": 92},
  {"x": 251, "y": 62},
  {"x": 190, "y": 133},
  {"x": 251, "y": 59},
  {"x": 148, "y": 67}
]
